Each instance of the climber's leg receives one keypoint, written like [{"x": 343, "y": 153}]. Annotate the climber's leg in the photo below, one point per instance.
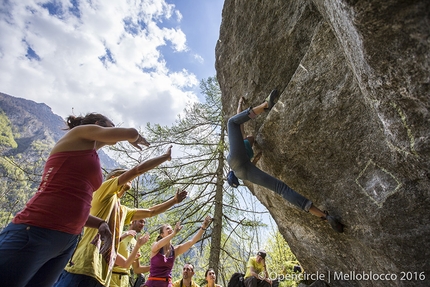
[
  {"x": 250, "y": 172},
  {"x": 237, "y": 155}
]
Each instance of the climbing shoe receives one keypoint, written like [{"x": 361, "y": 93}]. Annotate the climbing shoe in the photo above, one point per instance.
[
  {"x": 272, "y": 99},
  {"x": 334, "y": 222}
]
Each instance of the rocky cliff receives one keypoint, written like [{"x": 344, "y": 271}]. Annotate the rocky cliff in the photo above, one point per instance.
[{"x": 350, "y": 130}]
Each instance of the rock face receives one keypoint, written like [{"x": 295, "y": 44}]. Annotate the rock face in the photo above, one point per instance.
[{"x": 350, "y": 130}]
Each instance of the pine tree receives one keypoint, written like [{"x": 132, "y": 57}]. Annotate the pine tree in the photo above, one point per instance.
[
  {"x": 198, "y": 165},
  {"x": 201, "y": 136}
]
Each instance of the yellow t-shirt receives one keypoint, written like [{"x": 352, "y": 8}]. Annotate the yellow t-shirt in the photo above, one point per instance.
[
  {"x": 87, "y": 259},
  {"x": 258, "y": 267},
  {"x": 178, "y": 284},
  {"x": 216, "y": 285},
  {"x": 126, "y": 246}
]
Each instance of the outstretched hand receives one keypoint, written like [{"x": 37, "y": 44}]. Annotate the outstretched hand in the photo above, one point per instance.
[
  {"x": 169, "y": 153},
  {"x": 180, "y": 195},
  {"x": 130, "y": 233},
  {"x": 207, "y": 221},
  {"x": 140, "y": 141},
  {"x": 143, "y": 239},
  {"x": 178, "y": 227}
]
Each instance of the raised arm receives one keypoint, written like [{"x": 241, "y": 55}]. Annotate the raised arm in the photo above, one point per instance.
[
  {"x": 160, "y": 208},
  {"x": 144, "y": 167},
  {"x": 126, "y": 262},
  {"x": 156, "y": 246},
  {"x": 95, "y": 136},
  {"x": 137, "y": 268},
  {"x": 180, "y": 249},
  {"x": 126, "y": 234}
]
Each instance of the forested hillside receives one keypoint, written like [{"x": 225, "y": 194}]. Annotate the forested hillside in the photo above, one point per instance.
[{"x": 28, "y": 132}]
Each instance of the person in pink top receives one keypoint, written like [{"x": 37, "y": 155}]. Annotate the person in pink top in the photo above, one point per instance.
[
  {"x": 163, "y": 253},
  {"x": 37, "y": 244}
]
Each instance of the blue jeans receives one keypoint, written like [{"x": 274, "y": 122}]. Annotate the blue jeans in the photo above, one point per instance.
[
  {"x": 245, "y": 170},
  {"x": 33, "y": 256},
  {"x": 68, "y": 279}
]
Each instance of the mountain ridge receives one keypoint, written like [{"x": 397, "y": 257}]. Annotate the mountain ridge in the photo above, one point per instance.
[{"x": 33, "y": 121}]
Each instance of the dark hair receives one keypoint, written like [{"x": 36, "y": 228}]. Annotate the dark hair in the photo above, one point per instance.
[
  {"x": 192, "y": 269},
  {"x": 137, "y": 220},
  {"x": 161, "y": 231},
  {"x": 115, "y": 172},
  {"x": 88, "y": 119},
  {"x": 207, "y": 271},
  {"x": 262, "y": 253}
]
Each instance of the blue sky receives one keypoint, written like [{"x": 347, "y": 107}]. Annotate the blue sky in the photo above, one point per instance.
[{"x": 134, "y": 61}]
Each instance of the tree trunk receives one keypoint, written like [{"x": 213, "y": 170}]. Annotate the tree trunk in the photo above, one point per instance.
[{"x": 217, "y": 218}]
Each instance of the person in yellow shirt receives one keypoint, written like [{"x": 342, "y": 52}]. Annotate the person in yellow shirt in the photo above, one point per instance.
[
  {"x": 88, "y": 267},
  {"x": 121, "y": 275},
  {"x": 187, "y": 277},
  {"x": 256, "y": 273}
]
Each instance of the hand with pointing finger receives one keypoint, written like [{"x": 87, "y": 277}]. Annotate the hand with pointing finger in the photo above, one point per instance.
[{"x": 140, "y": 141}]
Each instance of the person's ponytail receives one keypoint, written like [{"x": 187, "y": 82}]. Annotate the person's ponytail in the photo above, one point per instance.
[
  {"x": 88, "y": 119},
  {"x": 73, "y": 121}
]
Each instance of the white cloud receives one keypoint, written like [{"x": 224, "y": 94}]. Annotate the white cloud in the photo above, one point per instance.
[
  {"x": 107, "y": 60},
  {"x": 198, "y": 58}
]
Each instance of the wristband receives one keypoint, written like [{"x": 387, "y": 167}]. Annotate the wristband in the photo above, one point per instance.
[
  {"x": 203, "y": 228},
  {"x": 101, "y": 224}
]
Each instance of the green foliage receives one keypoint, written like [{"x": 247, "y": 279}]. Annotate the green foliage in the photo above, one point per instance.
[
  {"x": 14, "y": 188},
  {"x": 281, "y": 260},
  {"x": 20, "y": 175},
  {"x": 6, "y": 134}
]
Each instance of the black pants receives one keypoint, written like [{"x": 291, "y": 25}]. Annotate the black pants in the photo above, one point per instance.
[{"x": 254, "y": 282}]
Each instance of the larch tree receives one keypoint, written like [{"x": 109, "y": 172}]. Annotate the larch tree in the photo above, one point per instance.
[
  {"x": 198, "y": 165},
  {"x": 200, "y": 135}
]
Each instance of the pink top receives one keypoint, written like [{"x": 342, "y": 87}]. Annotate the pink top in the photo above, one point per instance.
[
  {"x": 161, "y": 266},
  {"x": 63, "y": 200}
]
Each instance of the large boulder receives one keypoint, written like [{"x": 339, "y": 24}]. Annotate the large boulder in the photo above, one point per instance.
[{"x": 350, "y": 130}]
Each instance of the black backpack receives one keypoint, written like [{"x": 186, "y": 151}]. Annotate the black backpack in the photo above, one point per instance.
[
  {"x": 236, "y": 280},
  {"x": 140, "y": 281}
]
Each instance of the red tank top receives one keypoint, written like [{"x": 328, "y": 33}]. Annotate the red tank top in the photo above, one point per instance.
[{"x": 63, "y": 200}]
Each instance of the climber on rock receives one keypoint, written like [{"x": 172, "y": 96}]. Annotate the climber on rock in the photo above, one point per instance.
[{"x": 241, "y": 154}]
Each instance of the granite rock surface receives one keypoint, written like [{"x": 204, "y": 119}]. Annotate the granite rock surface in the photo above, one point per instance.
[{"x": 350, "y": 130}]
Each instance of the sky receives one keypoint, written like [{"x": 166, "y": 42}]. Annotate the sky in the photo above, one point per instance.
[{"x": 134, "y": 61}]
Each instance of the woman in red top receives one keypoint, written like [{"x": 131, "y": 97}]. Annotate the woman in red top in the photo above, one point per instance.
[{"x": 36, "y": 245}]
